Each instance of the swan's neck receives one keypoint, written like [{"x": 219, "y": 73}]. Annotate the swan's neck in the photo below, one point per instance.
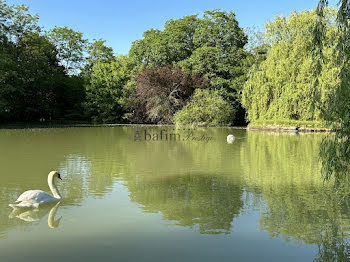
[{"x": 53, "y": 187}]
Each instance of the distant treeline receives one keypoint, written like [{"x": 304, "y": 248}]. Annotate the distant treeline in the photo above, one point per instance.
[{"x": 199, "y": 70}]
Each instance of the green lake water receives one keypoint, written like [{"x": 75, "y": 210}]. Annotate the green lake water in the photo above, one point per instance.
[{"x": 141, "y": 193}]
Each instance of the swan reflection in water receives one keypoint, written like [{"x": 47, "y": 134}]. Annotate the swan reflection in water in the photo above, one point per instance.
[{"x": 32, "y": 215}]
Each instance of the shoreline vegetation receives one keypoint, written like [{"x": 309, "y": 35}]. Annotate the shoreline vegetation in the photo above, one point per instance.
[
  {"x": 289, "y": 126},
  {"x": 257, "y": 126},
  {"x": 200, "y": 70}
]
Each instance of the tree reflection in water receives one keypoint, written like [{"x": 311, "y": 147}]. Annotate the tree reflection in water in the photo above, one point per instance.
[
  {"x": 335, "y": 159},
  {"x": 300, "y": 206},
  {"x": 333, "y": 246},
  {"x": 204, "y": 186},
  {"x": 208, "y": 202}
]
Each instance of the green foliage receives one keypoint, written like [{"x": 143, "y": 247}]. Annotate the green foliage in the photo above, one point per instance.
[
  {"x": 71, "y": 46},
  {"x": 335, "y": 148},
  {"x": 17, "y": 21},
  {"x": 97, "y": 52},
  {"x": 334, "y": 154},
  {"x": 174, "y": 44},
  {"x": 218, "y": 53},
  {"x": 37, "y": 71},
  {"x": 299, "y": 205},
  {"x": 211, "y": 45},
  {"x": 151, "y": 50},
  {"x": 108, "y": 89},
  {"x": 206, "y": 108},
  {"x": 68, "y": 97},
  {"x": 33, "y": 85},
  {"x": 44, "y": 73},
  {"x": 288, "y": 85}
]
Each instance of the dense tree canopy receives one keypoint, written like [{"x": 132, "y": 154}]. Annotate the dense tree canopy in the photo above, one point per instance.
[
  {"x": 335, "y": 148},
  {"x": 33, "y": 85},
  {"x": 212, "y": 45},
  {"x": 75, "y": 78},
  {"x": 58, "y": 74},
  {"x": 107, "y": 89},
  {"x": 97, "y": 52},
  {"x": 70, "y": 46},
  {"x": 288, "y": 85}
]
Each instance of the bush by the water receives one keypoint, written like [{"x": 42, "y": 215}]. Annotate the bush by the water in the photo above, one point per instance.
[{"x": 206, "y": 108}]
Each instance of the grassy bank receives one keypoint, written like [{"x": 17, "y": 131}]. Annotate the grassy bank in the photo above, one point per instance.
[{"x": 290, "y": 125}]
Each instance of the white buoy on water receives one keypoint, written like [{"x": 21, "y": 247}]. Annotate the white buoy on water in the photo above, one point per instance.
[{"x": 230, "y": 139}]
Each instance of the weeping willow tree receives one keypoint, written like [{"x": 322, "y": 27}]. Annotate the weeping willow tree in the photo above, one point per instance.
[
  {"x": 335, "y": 149},
  {"x": 288, "y": 86}
]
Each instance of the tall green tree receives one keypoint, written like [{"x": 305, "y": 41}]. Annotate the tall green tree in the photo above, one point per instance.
[
  {"x": 108, "y": 90},
  {"x": 17, "y": 21},
  {"x": 71, "y": 47},
  {"x": 288, "y": 85},
  {"x": 97, "y": 52},
  {"x": 175, "y": 43},
  {"x": 28, "y": 79},
  {"x": 211, "y": 45},
  {"x": 335, "y": 148},
  {"x": 33, "y": 85}
]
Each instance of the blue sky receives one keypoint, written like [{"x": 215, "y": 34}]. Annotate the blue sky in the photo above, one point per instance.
[{"x": 122, "y": 22}]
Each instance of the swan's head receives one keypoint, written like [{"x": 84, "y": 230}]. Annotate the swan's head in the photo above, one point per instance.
[{"x": 56, "y": 174}]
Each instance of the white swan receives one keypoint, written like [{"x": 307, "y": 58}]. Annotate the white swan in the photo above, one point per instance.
[
  {"x": 34, "y": 198},
  {"x": 230, "y": 139}
]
